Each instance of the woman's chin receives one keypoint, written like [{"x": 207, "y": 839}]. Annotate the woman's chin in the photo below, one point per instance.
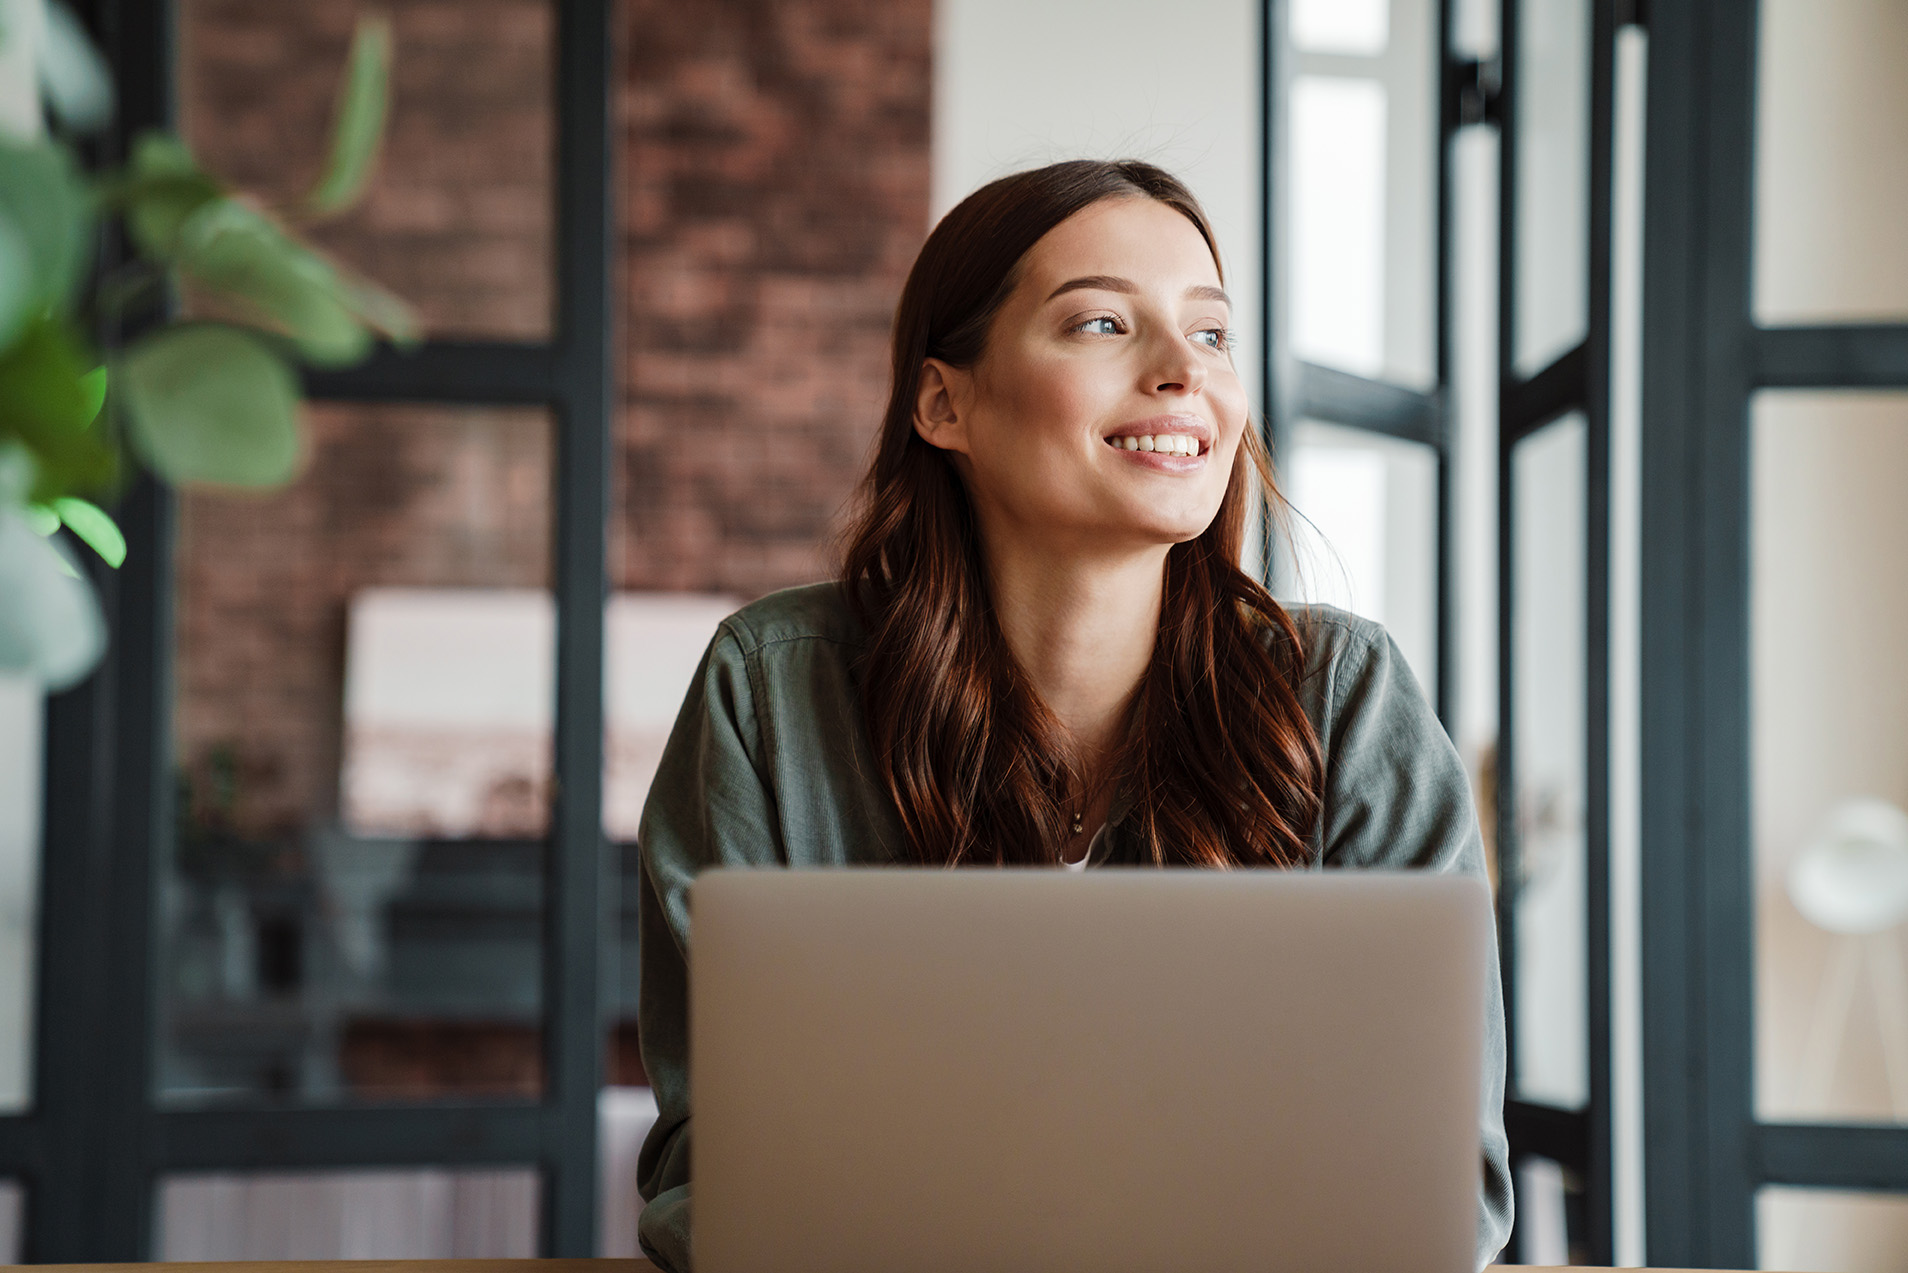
[{"x": 1166, "y": 532}]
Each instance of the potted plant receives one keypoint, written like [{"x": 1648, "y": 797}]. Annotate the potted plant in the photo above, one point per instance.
[{"x": 207, "y": 391}]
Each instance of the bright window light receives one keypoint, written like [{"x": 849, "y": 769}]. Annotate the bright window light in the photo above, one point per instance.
[
  {"x": 1339, "y": 541},
  {"x": 1338, "y": 222},
  {"x": 1356, "y": 27}
]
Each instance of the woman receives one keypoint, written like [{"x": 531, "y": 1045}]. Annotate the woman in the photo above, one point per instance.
[{"x": 1042, "y": 649}]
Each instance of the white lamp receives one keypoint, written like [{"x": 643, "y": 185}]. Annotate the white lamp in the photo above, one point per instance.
[{"x": 1852, "y": 881}]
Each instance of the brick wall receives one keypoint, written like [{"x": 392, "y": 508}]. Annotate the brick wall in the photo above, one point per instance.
[
  {"x": 774, "y": 169},
  {"x": 459, "y": 220},
  {"x": 775, "y": 192}
]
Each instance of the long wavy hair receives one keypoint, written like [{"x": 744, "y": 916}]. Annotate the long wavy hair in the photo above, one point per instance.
[{"x": 1220, "y": 762}]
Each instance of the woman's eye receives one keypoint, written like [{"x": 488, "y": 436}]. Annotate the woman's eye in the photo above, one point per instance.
[
  {"x": 1104, "y": 325},
  {"x": 1214, "y": 337}
]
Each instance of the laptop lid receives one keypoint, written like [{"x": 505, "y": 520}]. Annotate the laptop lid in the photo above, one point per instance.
[{"x": 1122, "y": 1070}]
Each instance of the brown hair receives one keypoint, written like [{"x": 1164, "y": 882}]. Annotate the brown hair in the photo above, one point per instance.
[{"x": 1220, "y": 759}]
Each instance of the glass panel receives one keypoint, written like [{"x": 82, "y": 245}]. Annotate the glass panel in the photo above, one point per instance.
[
  {"x": 1365, "y": 537},
  {"x": 1553, "y": 180},
  {"x": 624, "y": 1117},
  {"x": 1550, "y": 1014},
  {"x": 11, "y": 1200},
  {"x": 655, "y": 642},
  {"x": 1830, "y": 747},
  {"x": 1820, "y": 1231},
  {"x": 357, "y": 1215},
  {"x": 1338, "y": 222},
  {"x": 1475, "y": 28},
  {"x": 1357, "y": 27},
  {"x": 363, "y": 735},
  {"x": 1549, "y": 1210},
  {"x": 459, "y": 217},
  {"x": 21, "y": 715},
  {"x": 1831, "y": 161},
  {"x": 1363, "y": 188}
]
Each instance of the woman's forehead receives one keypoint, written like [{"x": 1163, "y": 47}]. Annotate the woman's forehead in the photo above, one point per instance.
[{"x": 1144, "y": 241}]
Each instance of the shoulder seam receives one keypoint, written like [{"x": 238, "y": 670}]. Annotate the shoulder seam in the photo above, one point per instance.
[
  {"x": 760, "y": 644},
  {"x": 1342, "y": 685}
]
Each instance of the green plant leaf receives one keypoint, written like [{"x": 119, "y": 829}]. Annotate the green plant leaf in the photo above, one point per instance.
[
  {"x": 241, "y": 256},
  {"x": 358, "y": 126},
  {"x": 162, "y": 186},
  {"x": 18, "y": 470},
  {"x": 43, "y": 388},
  {"x": 94, "y": 528},
  {"x": 50, "y": 628},
  {"x": 48, "y": 206},
  {"x": 43, "y": 520},
  {"x": 386, "y": 312},
  {"x": 208, "y": 402},
  {"x": 17, "y": 300},
  {"x": 160, "y": 154},
  {"x": 93, "y": 385},
  {"x": 75, "y": 78},
  {"x": 47, "y": 402}
]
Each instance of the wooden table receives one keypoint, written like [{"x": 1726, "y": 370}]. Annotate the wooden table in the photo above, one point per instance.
[{"x": 435, "y": 1266}]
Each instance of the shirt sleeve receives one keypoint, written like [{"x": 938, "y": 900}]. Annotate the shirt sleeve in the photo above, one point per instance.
[
  {"x": 709, "y": 805},
  {"x": 1397, "y": 797}
]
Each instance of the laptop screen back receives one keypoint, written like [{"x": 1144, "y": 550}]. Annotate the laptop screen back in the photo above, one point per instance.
[{"x": 966, "y": 1070}]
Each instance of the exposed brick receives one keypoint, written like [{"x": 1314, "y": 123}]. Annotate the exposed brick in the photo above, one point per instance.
[
  {"x": 773, "y": 169},
  {"x": 469, "y": 127},
  {"x": 776, "y": 170}
]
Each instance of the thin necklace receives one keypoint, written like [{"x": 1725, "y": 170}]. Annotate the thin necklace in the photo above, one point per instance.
[{"x": 1087, "y": 799}]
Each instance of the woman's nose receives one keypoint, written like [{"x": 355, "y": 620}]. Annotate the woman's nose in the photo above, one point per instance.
[{"x": 1176, "y": 368}]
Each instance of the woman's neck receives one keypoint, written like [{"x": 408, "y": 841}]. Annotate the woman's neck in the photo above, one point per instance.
[{"x": 1083, "y": 630}]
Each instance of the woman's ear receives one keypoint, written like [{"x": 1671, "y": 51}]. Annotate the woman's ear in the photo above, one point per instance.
[{"x": 937, "y": 406}]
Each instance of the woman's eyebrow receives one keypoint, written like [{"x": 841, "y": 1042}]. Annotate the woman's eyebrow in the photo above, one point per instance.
[
  {"x": 1126, "y": 286},
  {"x": 1095, "y": 283}
]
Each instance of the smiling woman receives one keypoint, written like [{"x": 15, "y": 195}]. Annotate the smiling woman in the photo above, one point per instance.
[
  {"x": 1042, "y": 650},
  {"x": 997, "y": 509}
]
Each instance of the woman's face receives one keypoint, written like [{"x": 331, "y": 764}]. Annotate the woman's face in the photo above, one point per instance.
[{"x": 1104, "y": 413}]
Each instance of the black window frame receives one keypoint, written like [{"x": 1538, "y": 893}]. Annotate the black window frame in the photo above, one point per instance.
[
  {"x": 1575, "y": 381},
  {"x": 1472, "y": 94},
  {"x": 1294, "y": 389},
  {"x": 91, "y": 1149},
  {"x": 1705, "y": 357}
]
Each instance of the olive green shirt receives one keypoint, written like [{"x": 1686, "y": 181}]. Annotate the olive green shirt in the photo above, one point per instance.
[{"x": 768, "y": 765}]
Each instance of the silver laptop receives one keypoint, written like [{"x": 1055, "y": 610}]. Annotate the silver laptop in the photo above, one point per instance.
[{"x": 1121, "y": 1070}]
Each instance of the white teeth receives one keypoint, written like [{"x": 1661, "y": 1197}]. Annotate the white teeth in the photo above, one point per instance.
[{"x": 1164, "y": 443}]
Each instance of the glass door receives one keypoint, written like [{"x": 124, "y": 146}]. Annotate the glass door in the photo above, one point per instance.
[
  {"x": 326, "y": 883},
  {"x": 1775, "y": 776},
  {"x": 1556, "y": 76},
  {"x": 1357, "y": 276}
]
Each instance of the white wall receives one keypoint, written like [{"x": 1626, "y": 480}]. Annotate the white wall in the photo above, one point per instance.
[
  {"x": 1831, "y": 724},
  {"x": 1830, "y": 499},
  {"x": 1832, "y": 173},
  {"x": 1020, "y": 83}
]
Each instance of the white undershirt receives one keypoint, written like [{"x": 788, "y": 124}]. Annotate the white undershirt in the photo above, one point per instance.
[{"x": 1092, "y": 847}]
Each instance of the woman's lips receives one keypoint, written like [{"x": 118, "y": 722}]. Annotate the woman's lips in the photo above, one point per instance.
[
  {"x": 1182, "y": 432},
  {"x": 1163, "y": 461}
]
